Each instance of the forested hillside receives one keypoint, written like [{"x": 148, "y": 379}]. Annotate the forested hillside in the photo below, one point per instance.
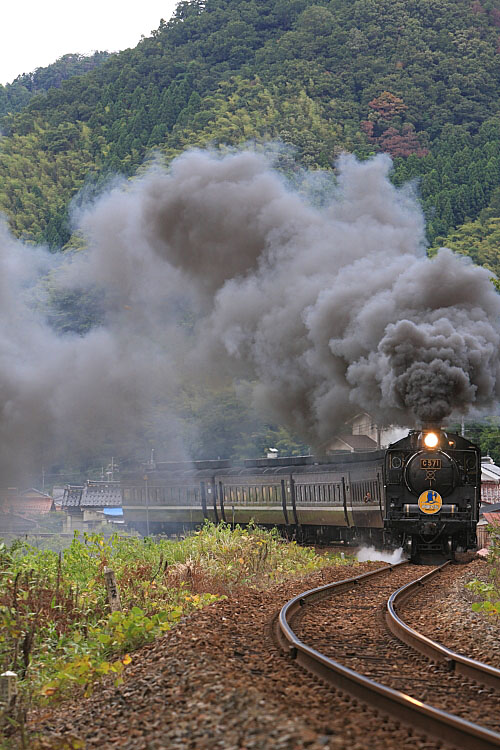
[
  {"x": 418, "y": 80},
  {"x": 16, "y": 95}
]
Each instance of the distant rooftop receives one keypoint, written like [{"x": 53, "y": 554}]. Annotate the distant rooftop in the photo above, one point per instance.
[
  {"x": 353, "y": 443},
  {"x": 490, "y": 471},
  {"x": 93, "y": 495},
  {"x": 489, "y": 508},
  {"x": 101, "y": 495},
  {"x": 72, "y": 496}
]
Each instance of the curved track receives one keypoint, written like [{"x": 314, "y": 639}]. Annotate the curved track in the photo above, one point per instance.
[
  {"x": 457, "y": 663},
  {"x": 345, "y": 642}
]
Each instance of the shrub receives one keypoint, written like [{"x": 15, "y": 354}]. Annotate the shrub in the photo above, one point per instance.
[
  {"x": 489, "y": 591},
  {"x": 56, "y": 631}
]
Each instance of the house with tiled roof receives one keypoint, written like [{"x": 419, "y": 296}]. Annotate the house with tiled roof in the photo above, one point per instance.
[
  {"x": 362, "y": 434},
  {"x": 86, "y": 505},
  {"x": 351, "y": 443},
  {"x": 101, "y": 495},
  {"x": 490, "y": 481},
  {"x": 26, "y": 502},
  {"x": 34, "y": 501},
  {"x": 17, "y": 509},
  {"x": 489, "y": 515},
  {"x": 58, "y": 495}
]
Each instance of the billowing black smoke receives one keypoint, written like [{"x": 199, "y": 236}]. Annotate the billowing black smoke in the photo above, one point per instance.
[{"x": 316, "y": 312}]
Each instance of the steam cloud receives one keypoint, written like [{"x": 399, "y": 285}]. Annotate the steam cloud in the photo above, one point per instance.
[
  {"x": 366, "y": 554},
  {"x": 321, "y": 311}
]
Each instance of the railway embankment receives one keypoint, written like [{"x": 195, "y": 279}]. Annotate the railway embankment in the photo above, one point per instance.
[
  {"x": 215, "y": 681},
  {"x": 218, "y": 681},
  {"x": 443, "y": 608},
  {"x": 385, "y": 664}
]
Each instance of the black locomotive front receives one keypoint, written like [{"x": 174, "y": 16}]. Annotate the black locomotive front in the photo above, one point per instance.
[{"x": 433, "y": 480}]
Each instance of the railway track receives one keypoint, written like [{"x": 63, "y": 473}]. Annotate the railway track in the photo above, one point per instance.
[{"x": 359, "y": 644}]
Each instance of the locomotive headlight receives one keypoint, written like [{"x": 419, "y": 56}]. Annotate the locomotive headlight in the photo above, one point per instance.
[{"x": 431, "y": 440}]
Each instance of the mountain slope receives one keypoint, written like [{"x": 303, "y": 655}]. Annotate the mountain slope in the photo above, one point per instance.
[
  {"x": 418, "y": 79},
  {"x": 16, "y": 95}
]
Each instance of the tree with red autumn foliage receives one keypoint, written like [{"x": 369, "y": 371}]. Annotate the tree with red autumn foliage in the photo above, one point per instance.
[{"x": 387, "y": 105}]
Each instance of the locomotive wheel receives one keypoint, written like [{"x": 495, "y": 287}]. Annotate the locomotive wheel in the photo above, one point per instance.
[{"x": 409, "y": 546}]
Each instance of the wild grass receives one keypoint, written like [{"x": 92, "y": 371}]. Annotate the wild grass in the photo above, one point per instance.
[
  {"x": 56, "y": 630},
  {"x": 488, "y": 592}
]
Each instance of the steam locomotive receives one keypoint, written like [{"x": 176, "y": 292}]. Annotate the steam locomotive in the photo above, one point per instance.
[
  {"x": 432, "y": 491},
  {"x": 422, "y": 493}
]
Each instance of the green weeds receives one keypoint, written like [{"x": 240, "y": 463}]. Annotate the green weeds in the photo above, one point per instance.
[
  {"x": 56, "y": 630},
  {"x": 489, "y": 591}
]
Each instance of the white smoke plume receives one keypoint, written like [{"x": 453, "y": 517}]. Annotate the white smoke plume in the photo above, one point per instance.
[
  {"x": 367, "y": 554},
  {"x": 320, "y": 311}
]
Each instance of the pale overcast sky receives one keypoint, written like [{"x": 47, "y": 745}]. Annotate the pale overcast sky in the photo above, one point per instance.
[{"x": 34, "y": 33}]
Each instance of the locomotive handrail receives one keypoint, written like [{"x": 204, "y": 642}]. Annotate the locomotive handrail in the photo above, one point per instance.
[
  {"x": 403, "y": 707},
  {"x": 470, "y": 668}
]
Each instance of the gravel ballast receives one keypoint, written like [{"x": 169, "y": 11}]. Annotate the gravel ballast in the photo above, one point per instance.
[
  {"x": 217, "y": 681},
  {"x": 442, "y": 610}
]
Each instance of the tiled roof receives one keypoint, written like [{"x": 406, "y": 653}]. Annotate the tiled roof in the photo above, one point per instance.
[
  {"x": 93, "y": 495},
  {"x": 489, "y": 477},
  {"x": 354, "y": 443},
  {"x": 101, "y": 495},
  {"x": 72, "y": 496},
  {"x": 34, "y": 493},
  {"x": 360, "y": 442},
  {"x": 489, "y": 508}
]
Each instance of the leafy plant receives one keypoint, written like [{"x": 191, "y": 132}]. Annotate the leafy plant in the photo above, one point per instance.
[
  {"x": 56, "y": 631},
  {"x": 489, "y": 591}
]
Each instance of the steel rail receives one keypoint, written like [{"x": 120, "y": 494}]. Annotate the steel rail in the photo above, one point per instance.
[
  {"x": 463, "y": 665},
  {"x": 402, "y": 707}
]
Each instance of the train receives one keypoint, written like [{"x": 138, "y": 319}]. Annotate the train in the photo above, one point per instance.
[
  {"x": 422, "y": 493},
  {"x": 432, "y": 492}
]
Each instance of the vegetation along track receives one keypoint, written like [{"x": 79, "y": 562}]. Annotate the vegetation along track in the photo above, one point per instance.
[{"x": 345, "y": 641}]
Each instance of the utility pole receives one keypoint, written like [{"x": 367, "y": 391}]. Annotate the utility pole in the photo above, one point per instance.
[{"x": 147, "y": 504}]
